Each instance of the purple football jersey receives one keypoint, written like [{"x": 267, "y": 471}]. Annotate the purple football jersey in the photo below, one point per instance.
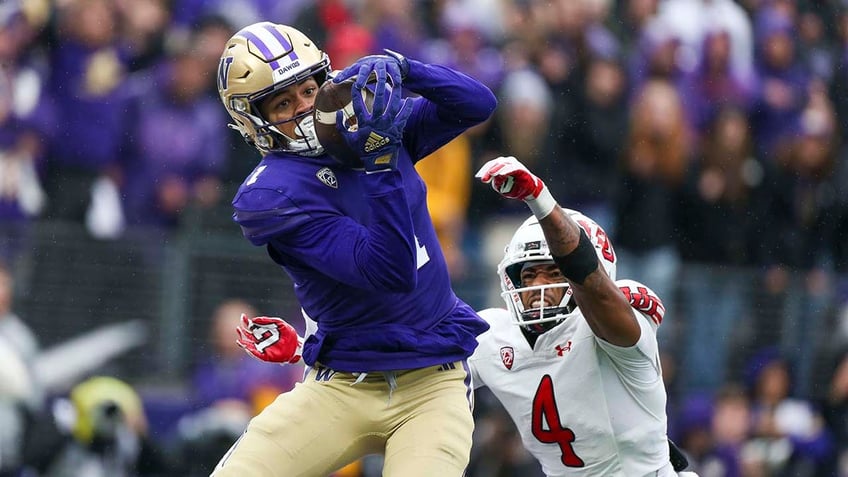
[{"x": 361, "y": 248}]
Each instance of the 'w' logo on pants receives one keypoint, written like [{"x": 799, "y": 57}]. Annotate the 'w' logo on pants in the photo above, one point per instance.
[{"x": 324, "y": 374}]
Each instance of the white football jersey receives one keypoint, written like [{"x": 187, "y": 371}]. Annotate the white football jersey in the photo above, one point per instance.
[{"x": 584, "y": 407}]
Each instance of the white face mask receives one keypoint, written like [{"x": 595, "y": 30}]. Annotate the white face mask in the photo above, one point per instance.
[{"x": 307, "y": 142}]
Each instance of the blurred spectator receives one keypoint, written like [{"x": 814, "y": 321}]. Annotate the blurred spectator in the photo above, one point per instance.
[
  {"x": 836, "y": 411},
  {"x": 225, "y": 375},
  {"x": 177, "y": 153},
  {"x": 691, "y": 21},
  {"x": 239, "y": 13},
  {"x": 782, "y": 83},
  {"x": 23, "y": 130},
  {"x": 715, "y": 432},
  {"x": 587, "y": 139},
  {"x": 656, "y": 159},
  {"x": 348, "y": 43},
  {"x": 320, "y": 18},
  {"x": 462, "y": 44},
  {"x": 657, "y": 57},
  {"x": 87, "y": 84},
  {"x": 12, "y": 328},
  {"x": 20, "y": 395},
  {"x": 814, "y": 47},
  {"x": 796, "y": 243},
  {"x": 632, "y": 17},
  {"x": 394, "y": 24},
  {"x": 717, "y": 235},
  {"x": 839, "y": 84},
  {"x": 228, "y": 387},
  {"x": 716, "y": 84},
  {"x": 523, "y": 116},
  {"x": 143, "y": 31},
  {"x": 788, "y": 434},
  {"x": 15, "y": 385}
]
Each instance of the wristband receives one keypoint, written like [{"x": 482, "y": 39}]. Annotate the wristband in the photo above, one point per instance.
[
  {"x": 543, "y": 205},
  {"x": 581, "y": 262}
]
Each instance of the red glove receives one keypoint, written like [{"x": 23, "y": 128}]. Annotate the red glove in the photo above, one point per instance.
[
  {"x": 269, "y": 339},
  {"x": 511, "y": 179}
]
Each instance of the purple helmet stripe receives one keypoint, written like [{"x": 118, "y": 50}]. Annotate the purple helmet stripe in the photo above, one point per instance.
[
  {"x": 286, "y": 45},
  {"x": 263, "y": 48}
]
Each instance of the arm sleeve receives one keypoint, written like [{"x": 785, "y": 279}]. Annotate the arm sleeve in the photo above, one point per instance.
[
  {"x": 640, "y": 362},
  {"x": 452, "y": 102},
  {"x": 379, "y": 255}
]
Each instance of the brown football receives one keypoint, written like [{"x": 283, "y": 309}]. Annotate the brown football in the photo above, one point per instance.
[{"x": 332, "y": 97}]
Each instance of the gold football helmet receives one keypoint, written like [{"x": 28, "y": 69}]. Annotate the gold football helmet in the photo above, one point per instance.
[{"x": 258, "y": 61}]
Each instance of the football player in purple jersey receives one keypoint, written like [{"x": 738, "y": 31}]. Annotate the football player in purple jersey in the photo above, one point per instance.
[{"x": 387, "y": 368}]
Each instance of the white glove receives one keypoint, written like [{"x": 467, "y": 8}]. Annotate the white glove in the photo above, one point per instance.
[{"x": 511, "y": 179}]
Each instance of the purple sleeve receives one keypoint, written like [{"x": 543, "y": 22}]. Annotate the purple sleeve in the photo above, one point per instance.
[
  {"x": 379, "y": 255},
  {"x": 453, "y": 102}
]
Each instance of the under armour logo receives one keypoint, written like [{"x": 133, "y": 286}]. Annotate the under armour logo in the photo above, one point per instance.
[
  {"x": 375, "y": 141},
  {"x": 562, "y": 349}
]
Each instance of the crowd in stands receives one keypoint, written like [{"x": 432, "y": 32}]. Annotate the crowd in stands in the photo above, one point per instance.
[{"x": 705, "y": 136}]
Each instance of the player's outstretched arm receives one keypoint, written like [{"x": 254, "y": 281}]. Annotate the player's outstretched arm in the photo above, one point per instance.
[
  {"x": 602, "y": 303},
  {"x": 269, "y": 339}
]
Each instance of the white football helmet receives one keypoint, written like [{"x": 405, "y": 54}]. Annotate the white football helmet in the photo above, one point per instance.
[
  {"x": 258, "y": 61},
  {"x": 528, "y": 245}
]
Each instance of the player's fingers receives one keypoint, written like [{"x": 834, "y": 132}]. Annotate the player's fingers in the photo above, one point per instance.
[
  {"x": 346, "y": 73},
  {"x": 393, "y": 71},
  {"x": 245, "y": 321},
  {"x": 268, "y": 320},
  {"x": 381, "y": 90},
  {"x": 484, "y": 173},
  {"x": 340, "y": 122},
  {"x": 359, "y": 108},
  {"x": 362, "y": 75}
]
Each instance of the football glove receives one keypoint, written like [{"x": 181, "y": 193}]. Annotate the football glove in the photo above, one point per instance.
[
  {"x": 511, "y": 179},
  {"x": 269, "y": 339},
  {"x": 390, "y": 56},
  {"x": 378, "y": 134}
]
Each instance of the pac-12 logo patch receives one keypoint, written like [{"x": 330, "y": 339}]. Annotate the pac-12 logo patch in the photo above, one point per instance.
[
  {"x": 507, "y": 356},
  {"x": 326, "y": 176}
]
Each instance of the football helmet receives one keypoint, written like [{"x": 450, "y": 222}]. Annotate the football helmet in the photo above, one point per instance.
[
  {"x": 258, "y": 61},
  {"x": 528, "y": 246}
]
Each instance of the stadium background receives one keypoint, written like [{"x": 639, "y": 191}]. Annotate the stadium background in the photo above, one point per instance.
[{"x": 590, "y": 91}]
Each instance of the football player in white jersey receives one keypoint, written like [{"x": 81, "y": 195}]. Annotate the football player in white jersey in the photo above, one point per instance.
[{"x": 573, "y": 358}]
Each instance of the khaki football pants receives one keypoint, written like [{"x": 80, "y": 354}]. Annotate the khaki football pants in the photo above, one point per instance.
[{"x": 422, "y": 427}]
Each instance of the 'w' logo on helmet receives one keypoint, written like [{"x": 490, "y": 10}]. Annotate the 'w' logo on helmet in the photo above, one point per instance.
[{"x": 224, "y": 71}]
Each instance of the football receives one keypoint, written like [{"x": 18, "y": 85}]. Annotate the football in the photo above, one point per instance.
[{"x": 333, "y": 97}]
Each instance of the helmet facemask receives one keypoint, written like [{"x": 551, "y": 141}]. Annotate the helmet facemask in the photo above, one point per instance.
[
  {"x": 528, "y": 247},
  {"x": 555, "y": 301}
]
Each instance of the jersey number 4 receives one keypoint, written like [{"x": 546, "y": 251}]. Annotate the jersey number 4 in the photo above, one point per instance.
[{"x": 546, "y": 426}]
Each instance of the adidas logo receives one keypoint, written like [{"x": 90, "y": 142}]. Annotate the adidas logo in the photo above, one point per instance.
[{"x": 375, "y": 141}]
